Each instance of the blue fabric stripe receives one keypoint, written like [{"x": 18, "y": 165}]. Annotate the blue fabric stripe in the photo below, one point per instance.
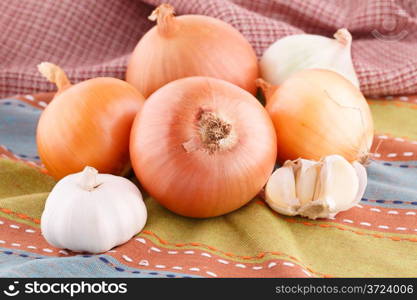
[
  {"x": 390, "y": 185},
  {"x": 18, "y": 263},
  {"x": 18, "y": 123}
]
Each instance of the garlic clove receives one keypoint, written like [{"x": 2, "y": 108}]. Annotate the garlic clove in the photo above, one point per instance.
[
  {"x": 316, "y": 189},
  {"x": 307, "y": 51},
  {"x": 318, "y": 207},
  {"x": 280, "y": 191},
  {"x": 339, "y": 184},
  {"x": 306, "y": 172},
  {"x": 363, "y": 180}
]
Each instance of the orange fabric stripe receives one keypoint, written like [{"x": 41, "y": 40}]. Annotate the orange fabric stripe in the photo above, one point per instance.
[
  {"x": 322, "y": 225},
  {"x": 20, "y": 216},
  {"x": 245, "y": 257}
]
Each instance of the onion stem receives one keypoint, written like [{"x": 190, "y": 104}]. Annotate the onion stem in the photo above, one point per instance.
[
  {"x": 54, "y": 74},
  {"x": 164, "y": 16},
  {"x": 343, "y": 36},
  {"x": 267, "y": 89}
]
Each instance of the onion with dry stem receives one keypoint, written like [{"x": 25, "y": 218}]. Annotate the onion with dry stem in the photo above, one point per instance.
[
  {"x": 87, "y": 123},
  {"x": 202, "y": 147},
  {"x": 191, "y": 45},
  {"x": 318, "y": 113}
]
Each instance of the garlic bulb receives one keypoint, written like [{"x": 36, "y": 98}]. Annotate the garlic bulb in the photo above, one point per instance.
[
  {"x": 316, "y": 189},
  {"x": 307, "y": 51},
  {"x": 92, "y": 212}
]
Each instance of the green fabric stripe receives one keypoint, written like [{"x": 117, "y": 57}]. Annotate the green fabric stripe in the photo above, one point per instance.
[
  {"x": 16, "y": 179},
  {"x": 402, "y": 119}
]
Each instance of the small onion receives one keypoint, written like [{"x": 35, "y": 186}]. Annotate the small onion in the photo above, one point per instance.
[
  {"x": 202, "y": 147},
  {"x": 191, "y": 45},
  {"x": 318, "y": 113},
  {"x": 87, "y": 123}
]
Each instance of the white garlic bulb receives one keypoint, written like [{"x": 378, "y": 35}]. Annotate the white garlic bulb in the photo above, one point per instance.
[
  {"x": 91, "y": 212},
  {"x": 316, "y": 189},
  {"x": 308, "y": 51}
]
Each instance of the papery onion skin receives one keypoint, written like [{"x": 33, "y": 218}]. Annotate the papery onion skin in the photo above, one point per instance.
[
  {"x": 88, "y": 124},
  {"x": 191, "y": 45},
  {"x": 175, "y": 166},
  {"x": 318, "y": 113}
]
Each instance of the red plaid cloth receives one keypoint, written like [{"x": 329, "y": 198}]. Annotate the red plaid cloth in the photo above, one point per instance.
[{"x": 93, "y": 38}]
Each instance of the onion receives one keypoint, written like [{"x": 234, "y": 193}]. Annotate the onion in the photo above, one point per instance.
[
  {"x": 202, "y": 147},
  {"x": 87, "y": 123},
  {"x": 318, "y": 113},
  {"x": 191, "y": 45},
  {"x": 297, "y": 52}
]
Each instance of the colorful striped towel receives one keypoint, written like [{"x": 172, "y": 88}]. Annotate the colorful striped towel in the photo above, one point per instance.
[{"x": 377, "y": 238}]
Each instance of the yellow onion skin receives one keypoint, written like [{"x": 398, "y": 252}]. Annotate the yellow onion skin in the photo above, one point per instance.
[
  {"x": 88, "y": 123},
  {"x": 175, "y": 166},
  {"x": 191, "y": 45},
  {"x": 318, "y": 113}
]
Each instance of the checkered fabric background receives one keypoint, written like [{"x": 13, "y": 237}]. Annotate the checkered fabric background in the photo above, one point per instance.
[{"x": 92, "y": 38}]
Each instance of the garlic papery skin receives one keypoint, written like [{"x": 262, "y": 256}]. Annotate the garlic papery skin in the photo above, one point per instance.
[
  {"x": 92, "y": 212},
  {"x": 307, "y": 51},
  {"x": 316, "y": 189}
]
